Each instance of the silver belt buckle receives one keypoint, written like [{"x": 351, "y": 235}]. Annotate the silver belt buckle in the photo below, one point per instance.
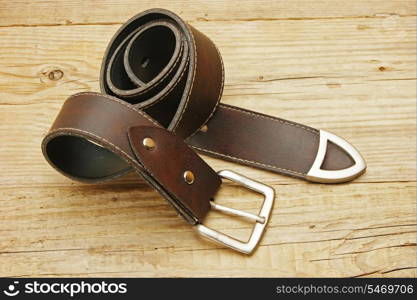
[{"x": 260, "y": 220}]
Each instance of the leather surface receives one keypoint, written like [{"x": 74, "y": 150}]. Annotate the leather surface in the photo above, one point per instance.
[
  {"x": 233, "y": 133},
  {"x": 162, "y": 77},
  {"x": 108, "y": 145},
  {"x": 265, "y": 142},
  {"x": 168, "y": 162}
]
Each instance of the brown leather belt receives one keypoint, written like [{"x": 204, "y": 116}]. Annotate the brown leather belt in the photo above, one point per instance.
[{"x": 161, "y": 82}]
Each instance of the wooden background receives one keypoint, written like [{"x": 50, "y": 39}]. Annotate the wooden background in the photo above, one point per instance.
[{"x": 344, "y": 66}]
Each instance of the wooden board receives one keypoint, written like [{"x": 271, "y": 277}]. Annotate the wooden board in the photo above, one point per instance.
[{"x": 347, "y": 67}]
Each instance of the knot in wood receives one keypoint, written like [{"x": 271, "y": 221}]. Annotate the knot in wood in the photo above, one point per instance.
[{"x": 55, "y": 75}]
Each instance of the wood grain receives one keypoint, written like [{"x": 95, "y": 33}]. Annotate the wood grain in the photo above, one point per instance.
[
  {"x": 130, "y": 231},
  {"x": 60, "y": 12},
  {"x": 349, "y": 69}
]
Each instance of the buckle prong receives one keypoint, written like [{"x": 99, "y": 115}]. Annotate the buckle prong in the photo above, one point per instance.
[
  {"x": 236, "y": 212},
  {"x": 261, "y": 219}
]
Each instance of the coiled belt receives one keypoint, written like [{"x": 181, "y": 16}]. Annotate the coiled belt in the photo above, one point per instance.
[{"x": 161, "y": 82}]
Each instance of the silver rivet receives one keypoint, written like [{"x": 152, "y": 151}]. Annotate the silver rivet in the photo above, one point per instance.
[
  {"x": 204, "y": 128},
  {"x": 188, "y": 177},
  {"x": 148, "y": 143}
]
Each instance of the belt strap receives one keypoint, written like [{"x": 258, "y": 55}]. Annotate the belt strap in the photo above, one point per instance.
[{"x": 161, "y": 82}]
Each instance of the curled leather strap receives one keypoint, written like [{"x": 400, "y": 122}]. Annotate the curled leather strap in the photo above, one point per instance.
[{"x": 162, "y": 80}]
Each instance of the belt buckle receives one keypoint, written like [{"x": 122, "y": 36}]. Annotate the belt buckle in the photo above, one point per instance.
[{"x": 261, "y": 219}]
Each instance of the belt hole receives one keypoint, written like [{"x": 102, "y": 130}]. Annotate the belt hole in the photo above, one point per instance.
[{"x": 145, "y": 62}]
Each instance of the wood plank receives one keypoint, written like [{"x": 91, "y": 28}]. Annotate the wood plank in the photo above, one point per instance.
[
  {"x": 51, "y": 12},
  {"x": 105, "y": 230},
  {"x": 312, "y": 74},
  {"x": 345, "y": 67}
]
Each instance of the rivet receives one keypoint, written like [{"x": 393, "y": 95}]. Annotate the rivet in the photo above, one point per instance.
[
  {"x": 189, "y": 177},
  {"x": 148, "y": 143},
  {"x": 204, "y": 128}
]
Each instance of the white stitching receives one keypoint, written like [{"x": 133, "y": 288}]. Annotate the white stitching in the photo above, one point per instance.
[
  {"x": 163, "y": 96},
  {"x": 247, "y": 161},
  {"x": 118, "y": 101},
  {"x": 253, "y": 114},
  {"x": 148, "y": 87},
  {"x": 269, "y": 118},
  {"x": 192, "y": 81},
  {"x": 220, "y": 93}
]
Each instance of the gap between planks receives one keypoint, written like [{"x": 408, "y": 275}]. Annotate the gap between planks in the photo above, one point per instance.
[{"x": 70, "y": 23}]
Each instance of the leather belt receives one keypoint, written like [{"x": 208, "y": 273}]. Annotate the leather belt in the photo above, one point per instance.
[{"x": 161, "y": 82}]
